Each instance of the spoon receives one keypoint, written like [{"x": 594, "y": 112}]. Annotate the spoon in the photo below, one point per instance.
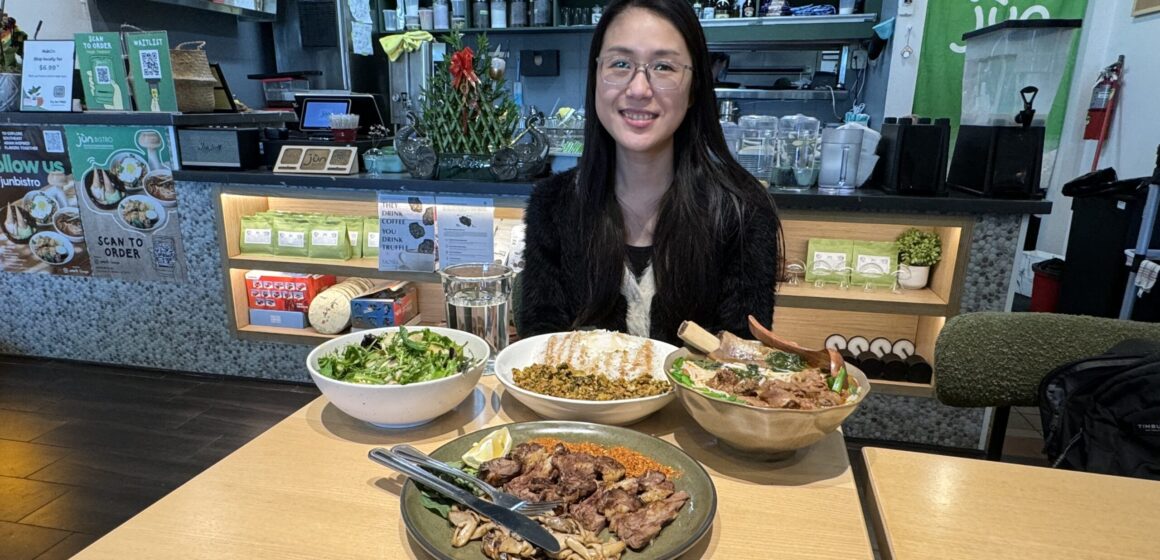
[{"x": 821, "y": 359}]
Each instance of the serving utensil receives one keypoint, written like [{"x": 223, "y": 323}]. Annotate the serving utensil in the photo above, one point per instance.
[
  {"x": 518, "y": 523},
  {"x": 498, "y": 497}
]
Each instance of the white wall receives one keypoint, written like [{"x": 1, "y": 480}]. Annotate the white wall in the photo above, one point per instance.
[
  {"x": 62, "y": 18},
  {"x": 1109, "y": 31},
  {"x": 904, "y": 71}
]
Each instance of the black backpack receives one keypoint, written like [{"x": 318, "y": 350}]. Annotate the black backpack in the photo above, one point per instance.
[{"x": 1102, "y": 414}]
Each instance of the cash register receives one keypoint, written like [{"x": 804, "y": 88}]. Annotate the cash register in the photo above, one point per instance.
[{"x": 313, "y": 127}]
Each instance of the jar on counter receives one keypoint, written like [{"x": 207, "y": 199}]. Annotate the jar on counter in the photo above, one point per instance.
[
  {"x": 480, "y": 15},
  {"x": 597, "y": 11},
  {"x": 499, "y": 14},
  {"x": 519, "y": 15},
  {"x": 442, "y": 14},
  {"x": 458, "y": 14},
  {"x": 541, "y": 13}
]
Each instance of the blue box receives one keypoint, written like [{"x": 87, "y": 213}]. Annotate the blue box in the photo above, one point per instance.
[
  {"x": 388, "y": 308},
  {"x": 283, "y": 319}
]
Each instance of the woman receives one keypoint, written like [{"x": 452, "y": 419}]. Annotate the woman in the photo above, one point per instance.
[{"x": 658, "y": 224}]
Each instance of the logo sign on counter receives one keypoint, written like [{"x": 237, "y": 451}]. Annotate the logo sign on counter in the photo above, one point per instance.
[
  {"x": 406, "y": 232},
  {"x": 128, "y": 199},
  {"x": 152, "y": 71},
  {"x": 102, "y": 71},
  {"x": 46, "y": 83},
  {"x": 42, "y": 229}
]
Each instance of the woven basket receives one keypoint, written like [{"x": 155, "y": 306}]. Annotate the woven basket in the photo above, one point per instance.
[{"x": 193, "y": 80}]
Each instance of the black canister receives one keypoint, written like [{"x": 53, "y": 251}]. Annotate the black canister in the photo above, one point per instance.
[
  {"x": 894, "y": 368},
  {"x": 919, "y": 370},
  {"x": 870, "y": 364}
]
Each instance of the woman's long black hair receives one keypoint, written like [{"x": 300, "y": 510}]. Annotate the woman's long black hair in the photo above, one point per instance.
[{"x": 705, "y": 207}]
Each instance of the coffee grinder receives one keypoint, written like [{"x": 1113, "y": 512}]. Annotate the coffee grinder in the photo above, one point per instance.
[{"x": 1010, "y": 78}]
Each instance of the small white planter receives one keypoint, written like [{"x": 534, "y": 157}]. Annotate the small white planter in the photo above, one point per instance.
[{"x": 913, "y": 277}]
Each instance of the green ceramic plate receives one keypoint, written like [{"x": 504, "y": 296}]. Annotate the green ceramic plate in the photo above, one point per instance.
[{"x": 433, "y": 533}]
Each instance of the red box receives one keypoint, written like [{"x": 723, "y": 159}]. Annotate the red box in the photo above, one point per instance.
[{"x": 284, "y": 291}]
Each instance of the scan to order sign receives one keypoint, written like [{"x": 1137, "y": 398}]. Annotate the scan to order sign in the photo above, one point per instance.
[{"x": 128, "y": 200}]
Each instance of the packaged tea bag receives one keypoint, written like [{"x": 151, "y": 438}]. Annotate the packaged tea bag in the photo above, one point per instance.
[
  {"x": 257, "y": 235},
  {"x": 354, "y": 229},
  {"x": 290, "y": 238},
  {"x": 874, "y": 262},
  {"x": 371, "y": 237},
  {"x": 328, "y": 239},
  {"x": 827, "y": 259}
]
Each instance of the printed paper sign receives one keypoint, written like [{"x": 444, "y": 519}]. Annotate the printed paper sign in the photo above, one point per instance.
[
  {"x": 42, "y": 230},
  {"x": 128, "y": 199},
  {"x": 407, "y": 232},
  {"x": 102, "y": 71},
  {"x": 46, "y": 83},
  {"x": 152, "y": 71},
  {"x": 466, "y": 230}
]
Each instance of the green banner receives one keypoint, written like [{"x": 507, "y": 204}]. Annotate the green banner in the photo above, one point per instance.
[
  {"x": 152, "y": 71},
  {"x": 938, "y": 92},
  {"x": 102, "y": 66}
]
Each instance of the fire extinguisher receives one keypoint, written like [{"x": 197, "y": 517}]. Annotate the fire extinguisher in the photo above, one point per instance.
[{"x": 1103, "y": 106}]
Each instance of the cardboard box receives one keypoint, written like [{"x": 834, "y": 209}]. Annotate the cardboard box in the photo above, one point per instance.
[
  {"x": 284, "y": 291},
  {"x": 284, "y": 319},
  {"x": 396, "y": 305}
]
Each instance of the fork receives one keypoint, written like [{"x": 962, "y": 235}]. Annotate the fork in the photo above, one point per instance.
[{"x": 497, "y": 496}]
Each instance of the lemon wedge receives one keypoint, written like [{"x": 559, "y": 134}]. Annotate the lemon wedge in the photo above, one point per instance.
[{"x": 493, "y": 446}]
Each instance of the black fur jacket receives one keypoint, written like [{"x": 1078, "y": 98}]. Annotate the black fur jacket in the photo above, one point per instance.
[{"x": 553, "y": 282}]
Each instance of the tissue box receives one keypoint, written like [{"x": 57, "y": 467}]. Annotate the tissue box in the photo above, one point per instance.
[
  {"x": 394, "y": 306},
  {"x": 284, "y": 291},
  {"x": 284, "y": 319}
]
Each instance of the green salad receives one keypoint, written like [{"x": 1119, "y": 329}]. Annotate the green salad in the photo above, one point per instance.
[{"x": 397, "y": 358}]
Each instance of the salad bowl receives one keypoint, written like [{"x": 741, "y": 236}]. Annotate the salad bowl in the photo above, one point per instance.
[{"x": 399, "y": 405}]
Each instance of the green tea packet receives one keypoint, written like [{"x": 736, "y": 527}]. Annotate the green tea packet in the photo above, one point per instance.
[
  {"x": 328, "y": 239},
  {"x": 874, "y": 262},
  {"x": 371, "y": 237},
  {"x": 257, "y": 235},
  {"x": 291, "y": 237},
  {"x": 828, "y": 259},
  {"x": 354, "y": 230}
]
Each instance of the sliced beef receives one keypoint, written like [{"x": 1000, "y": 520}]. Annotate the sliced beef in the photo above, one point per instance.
[
  {"x": 726, "y": 379},
  {"x": 654, "y": 487},
  {"x": 498, "y": 472},
  {"x": 610, "y": 469},
  {"x": 617, "y": 501},
  {"x": 637, "y": 529},
  {"x": 587, "y": 515}
]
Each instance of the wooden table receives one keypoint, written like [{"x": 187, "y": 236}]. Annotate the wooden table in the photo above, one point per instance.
[
  {"x": 933, "y": 506},
  {"x": 305, "y": 489}
]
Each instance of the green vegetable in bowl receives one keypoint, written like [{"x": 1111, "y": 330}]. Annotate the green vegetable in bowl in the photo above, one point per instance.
[{"x": 397, "y": 358}]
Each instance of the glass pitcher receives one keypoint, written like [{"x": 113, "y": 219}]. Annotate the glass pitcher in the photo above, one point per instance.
[
  {"x": 478, "y": 297},
  {"x": 796, "y": 165}
]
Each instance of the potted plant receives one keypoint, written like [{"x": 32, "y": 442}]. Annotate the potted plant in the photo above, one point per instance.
[
  {"x": 11, "y": 50},
  {"x": 375, "y": 159},
  {"x": 917, "y": 251}
]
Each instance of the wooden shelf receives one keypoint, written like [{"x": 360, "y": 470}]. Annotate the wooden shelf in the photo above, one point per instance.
[
  {"x": 881, "y": 300},
  {"x": 901, "y": 388},
  {"x": 368, "y": 267}
]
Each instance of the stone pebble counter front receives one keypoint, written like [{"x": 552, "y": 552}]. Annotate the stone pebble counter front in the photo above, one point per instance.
[{"x": 185, "y": 326}]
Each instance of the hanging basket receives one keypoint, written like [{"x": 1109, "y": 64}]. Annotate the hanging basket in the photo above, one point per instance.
[{"x": 193, "y": 80}]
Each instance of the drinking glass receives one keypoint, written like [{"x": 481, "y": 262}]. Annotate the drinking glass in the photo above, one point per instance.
[{"x": 477, "y": 297}]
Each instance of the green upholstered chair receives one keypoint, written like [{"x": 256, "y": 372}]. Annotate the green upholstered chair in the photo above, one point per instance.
[{"x": 998, "y": 359}]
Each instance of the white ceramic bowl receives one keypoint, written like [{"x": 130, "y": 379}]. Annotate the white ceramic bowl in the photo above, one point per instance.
[
  {"x": 613, "y": 413},
  {"x": 400, "y": 406},
  {"x": 155, "y": 205}
]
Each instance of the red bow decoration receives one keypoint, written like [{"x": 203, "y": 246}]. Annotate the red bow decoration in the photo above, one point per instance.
[{"x": 463, "y": 69}]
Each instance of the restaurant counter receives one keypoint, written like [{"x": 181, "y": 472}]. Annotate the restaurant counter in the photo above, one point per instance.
[{"x": 199, "y": 326}]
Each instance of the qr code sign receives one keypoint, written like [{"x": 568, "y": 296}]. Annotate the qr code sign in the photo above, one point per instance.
[
  {"x": 104, "y": 76},
  {"x": 53, "y": 142},
  {"x": 150, "y": 64}
]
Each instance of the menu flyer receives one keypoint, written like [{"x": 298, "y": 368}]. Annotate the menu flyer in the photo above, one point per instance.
[
  {"x": 407, "y": 232},
  {"x": 102, "y": 71},
  {"x": 43, "y": 230},
  {"x": 46, "y": 84},
  {"x": 466, "y": 230},
  {"x": 128, "y": 201}
]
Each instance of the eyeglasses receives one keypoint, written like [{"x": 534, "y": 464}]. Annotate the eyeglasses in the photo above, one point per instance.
[{"x": 661, "y": 74}]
